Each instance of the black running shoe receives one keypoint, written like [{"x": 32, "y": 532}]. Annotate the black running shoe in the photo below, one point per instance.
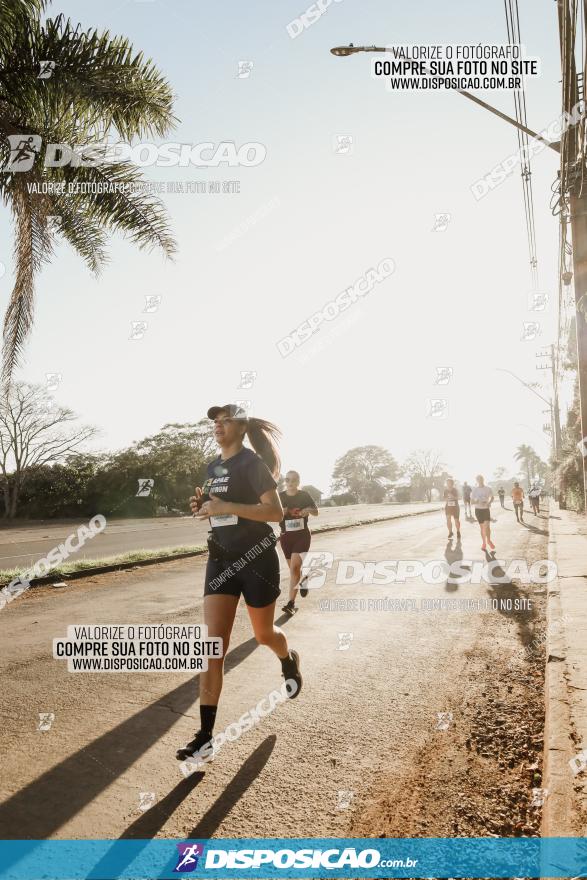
[
  {"x": 290, "y": 609},
  {"x": 450, "y": 534},
  {"x": 198, "y": 742},
  {"x": 304, "y": 586},
  {"x": 291, "y": 672},
  {"x": 458, "y": 534}
]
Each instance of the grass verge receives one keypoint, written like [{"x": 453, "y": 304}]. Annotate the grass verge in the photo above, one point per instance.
[{"x": 66, "y": 568}]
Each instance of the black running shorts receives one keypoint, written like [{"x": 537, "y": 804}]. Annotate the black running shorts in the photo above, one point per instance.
[
  {"x": 453, "y": 510},
  {"x": 295, "y": 542},
  {"x": 482, "y": 514},
  {"x": 257, "y": 581}
]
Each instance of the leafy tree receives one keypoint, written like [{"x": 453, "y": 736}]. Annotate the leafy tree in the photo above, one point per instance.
[
  {"x": 99, "y": 90},
  {"x": 61, "y": 490},
  {"x": 569, "y": 465},
  {"x": 314, "y": 493},
  {"x": 175, "y": 459},
  {"x": 364, "y": 472},
  {"x": 343, "y": 499}
]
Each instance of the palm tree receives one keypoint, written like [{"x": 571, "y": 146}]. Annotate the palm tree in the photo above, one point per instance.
[
  {"x": 527, "y": 456},
  {"x": 100, "y": 89}
]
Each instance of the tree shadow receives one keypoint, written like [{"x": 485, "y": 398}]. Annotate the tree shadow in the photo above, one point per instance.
[
  {"x": 509, "y": 596},
  {"x": 40, "y": 808}
]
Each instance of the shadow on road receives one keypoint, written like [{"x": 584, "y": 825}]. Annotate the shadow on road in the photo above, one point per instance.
[
  {"x": 43, "y": 806},
  {"x": 454, "y": 555},
  {"x": 147, "y": 826},
  {"x": 535, "y": 529},
  {"x": 213, "y": 818},
  {"x": 150, "y": 822}
]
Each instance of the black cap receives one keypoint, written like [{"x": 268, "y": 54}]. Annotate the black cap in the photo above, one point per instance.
[{"x": 231, "y": 409}]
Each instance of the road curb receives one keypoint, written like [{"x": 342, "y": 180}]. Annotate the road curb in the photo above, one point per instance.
[
  {"x": 559, "y": 815},
  {"x": 155, "y": 560}
]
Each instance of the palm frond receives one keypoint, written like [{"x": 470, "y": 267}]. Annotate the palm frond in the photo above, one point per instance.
[
  {"x": 127, "y": 207},
  {"x": 32, "y": 248},
  {"x": 14, "y": 16},
  {"x": 99, "y": 85},
  {"x": 96, "y": 76}
]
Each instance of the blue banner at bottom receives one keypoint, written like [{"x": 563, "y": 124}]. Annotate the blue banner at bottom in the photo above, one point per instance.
[{"x": 294, "y": 857}]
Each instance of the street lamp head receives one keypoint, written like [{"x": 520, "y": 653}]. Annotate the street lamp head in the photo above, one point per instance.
[
  {"x": 350, "y": 49},
  {"x": 345, "y": 50}
]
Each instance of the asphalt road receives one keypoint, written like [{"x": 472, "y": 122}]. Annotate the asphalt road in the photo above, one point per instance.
[
  {"x": 21, "y": 546},
  {"x": 366, "y": 710}
]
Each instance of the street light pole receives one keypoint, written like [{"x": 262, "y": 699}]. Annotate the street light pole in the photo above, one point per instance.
[
  {"x": 343, "y": 51},
  {"x": 579, "y": 228}
]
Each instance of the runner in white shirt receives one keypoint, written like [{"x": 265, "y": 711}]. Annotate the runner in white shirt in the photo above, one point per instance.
[
  {"x": 481, "y": 499},
  {"x": 534, "y": 496}
]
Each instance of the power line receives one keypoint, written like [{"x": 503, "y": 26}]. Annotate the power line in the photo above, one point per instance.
[{"x": 513, "y": 32}]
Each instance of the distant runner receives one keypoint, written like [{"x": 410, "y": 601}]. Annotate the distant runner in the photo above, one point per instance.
[
  {"x": 518, "y": 499},
  {"x": 501, "y": 493},
  {"x": 295, "y": 535},
  {"x": 240, "y": 499},
  {"x": 467, "y": 498},
  {"x": 451, "y": 507},
  {"x": 534, "y": 496},
  {"x": 481, "y": 497}
]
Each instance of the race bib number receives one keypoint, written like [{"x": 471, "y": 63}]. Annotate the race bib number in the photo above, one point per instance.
[
  {"x": 224, "y": 519},
  {"x": 294, "y": 525},
  {"x": 451, "y": 503}
]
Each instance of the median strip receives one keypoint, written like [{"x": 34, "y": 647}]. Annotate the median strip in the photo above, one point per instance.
[{"x": 88, "y": 567}]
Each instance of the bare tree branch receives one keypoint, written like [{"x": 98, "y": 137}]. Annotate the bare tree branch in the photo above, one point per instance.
[{"x": 34, "y": 431}]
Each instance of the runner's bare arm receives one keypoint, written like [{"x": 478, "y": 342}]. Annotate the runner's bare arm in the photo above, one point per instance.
[
  {"x": 268, "y": 510},
  {"x": 196, "y": 500}
]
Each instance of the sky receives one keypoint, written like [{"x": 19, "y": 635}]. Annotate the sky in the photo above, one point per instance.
[{"x": 307, "y": 223}]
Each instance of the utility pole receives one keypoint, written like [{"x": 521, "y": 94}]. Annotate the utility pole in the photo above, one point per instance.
[
  {"x": 555, "y": 410},
  {"x": 572, "y": 168},
  {"x": 556, "y": 407}
]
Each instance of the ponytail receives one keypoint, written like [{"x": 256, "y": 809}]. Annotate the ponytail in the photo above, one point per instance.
[{"x": 263, "y": 437}]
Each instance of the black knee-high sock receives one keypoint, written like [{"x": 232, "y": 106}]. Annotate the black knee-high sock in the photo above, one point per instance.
[
  {"x": 286, "y": 662},
  {"x": 207, "y": 718}
]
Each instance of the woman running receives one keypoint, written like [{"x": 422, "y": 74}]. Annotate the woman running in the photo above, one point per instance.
[
  {"x": 451, "y": 507},
  {"x": 481, "y": 497},
  {"x": 518, "y": 499},
  {"x": 295, "y": 535},
  {"x": 240, "y": 499}
]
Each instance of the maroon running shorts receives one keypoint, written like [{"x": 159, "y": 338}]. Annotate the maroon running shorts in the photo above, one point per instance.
[{"x": 295, "y": 542}]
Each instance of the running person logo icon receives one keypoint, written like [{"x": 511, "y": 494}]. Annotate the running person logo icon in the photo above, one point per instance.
[
  {"x": 189, "y": 853},
  {"x": 24, "y": 149}
]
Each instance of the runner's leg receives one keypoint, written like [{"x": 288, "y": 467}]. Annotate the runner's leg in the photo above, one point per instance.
[
  {"x": 294, "y": 578},
  {"x": 219, "y": 614},
  {"x": 265, "y": 630},
  {"x": 295, "y": 574}
]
